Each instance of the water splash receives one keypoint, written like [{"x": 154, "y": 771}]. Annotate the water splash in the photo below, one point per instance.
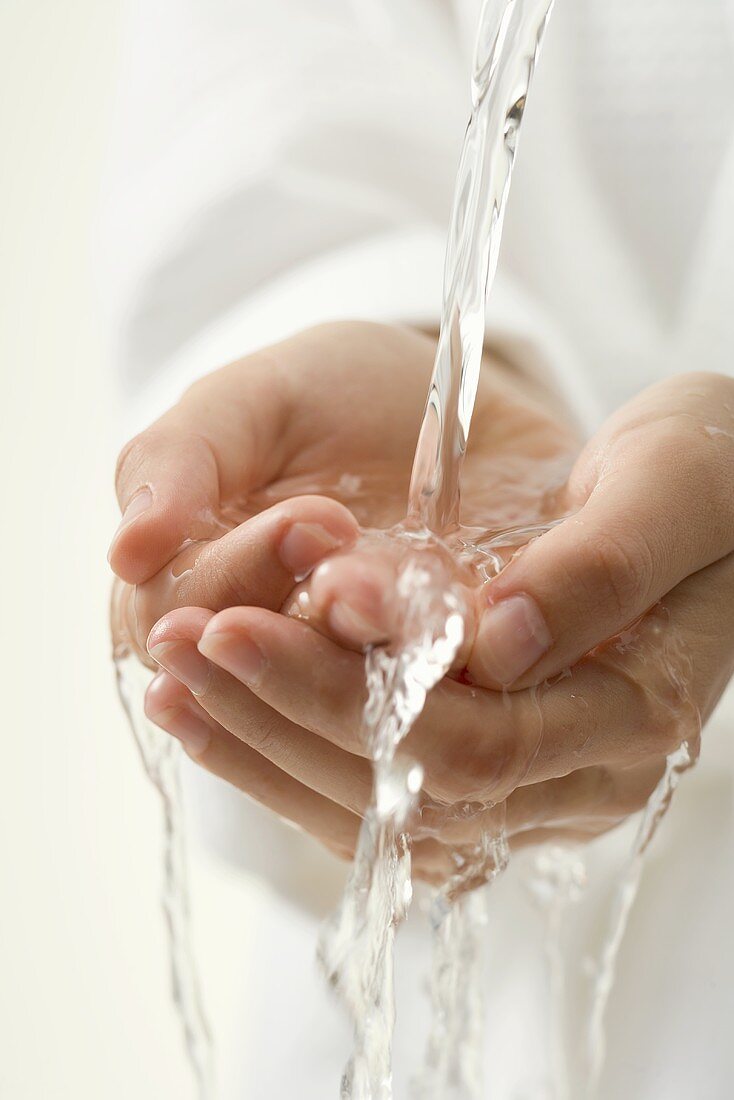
[
  {"x": 454, "y": 1057},
  {"x": 676, "y": 765},
  {"x": 557, "y": 883},
  {"x": 161, "y": 758},
  {"x": 356, "y": 948}
]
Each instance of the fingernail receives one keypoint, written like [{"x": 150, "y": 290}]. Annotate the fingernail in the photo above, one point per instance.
[
  {"x": 351, "y": 623},
  {"x": 304, "y": 545},
  {"x": 512, "y": 636},
  {"x": 139, "y": 504},
  {"x": 183, "y": 660},
  {"x": 190, "y": 729},
  {"x": 235, "y": 653}
]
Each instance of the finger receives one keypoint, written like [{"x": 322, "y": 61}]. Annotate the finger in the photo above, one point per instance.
[
  {"x": 170, "y": 706},
  {"x": 224, "y": 755},
  {"x": 594, "y": 792},
  {"x": 312, "y": 760},
  {"x": 474, "y": 745},
  {"x": 224, "y": 437},
  {"x": 469, "y": 741},
  {"x": 633, "y": 701},
  {"x": 589, "y": 797},
  {"x": 258, "y": 562},
  {"x": 659, "y": 506},
  {"x": 300, "y": 673},
  {"x": 360, "y": 597},
  {"x": 585, "y": 803},
  {"x": 352, "y": 596},
  {"x": 598, "y": 796},
  {"x": 694, "y": 630}
]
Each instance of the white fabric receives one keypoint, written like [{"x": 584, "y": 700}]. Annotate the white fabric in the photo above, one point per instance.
[{"x": 283, "y": 163}]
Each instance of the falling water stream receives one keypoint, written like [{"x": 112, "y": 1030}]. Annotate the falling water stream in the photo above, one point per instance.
[
  {"x": 509, "y": 38},
  {"x": 161, "y": 759},
  {"x": 677, "y": 763},
  {"x": 356, "y": 946}
]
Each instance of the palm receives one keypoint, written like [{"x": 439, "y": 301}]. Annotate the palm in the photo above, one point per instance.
[{"x": 356, "y": 422}]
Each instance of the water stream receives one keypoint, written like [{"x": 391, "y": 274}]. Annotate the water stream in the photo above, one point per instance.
[
  {"x": 357, "y": 945},
  {"x": 508, "y": 41},
  {"x": 677, "y": 763},
  {"x": 161, "y": 759},
  {"x": 509, "y": 38}
]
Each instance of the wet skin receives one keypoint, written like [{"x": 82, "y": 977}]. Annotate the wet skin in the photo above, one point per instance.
[{"x": 273, "y": 704}]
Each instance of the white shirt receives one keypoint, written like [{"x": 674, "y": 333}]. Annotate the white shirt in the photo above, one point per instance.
[{"x": 282, "y": 163}]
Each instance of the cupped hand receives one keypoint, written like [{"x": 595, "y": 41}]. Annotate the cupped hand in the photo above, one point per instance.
[
  {"x": 645, "y": 560},
  {"x": 234, "y": 494}
]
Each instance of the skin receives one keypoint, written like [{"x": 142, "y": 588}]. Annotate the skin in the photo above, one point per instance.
[{"x": 273, "y": 704}]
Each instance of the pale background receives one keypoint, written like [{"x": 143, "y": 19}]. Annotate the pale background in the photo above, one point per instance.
[
  {"x": 84, "y": 995},
  {"x": 84, "y": 992}
]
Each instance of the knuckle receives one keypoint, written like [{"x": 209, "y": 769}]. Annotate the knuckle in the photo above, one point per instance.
[
  {"x": 508, "y": 760},
  {"x": 474, "y": 766},
  {"x": 619, "y": 572},
  {"x": 445, "y": 763},
  {"x": 711, "y": 386},
  {"x": 224, "y": 579},
  {"x": 702, "y": 471},
  {"x": 446, "y": 781},
  {"x": 263, "y": 733},
  {"x": 638, "y": 708},
  {"x": 164, "y": 440},
  {"x": 680, "y": 446}
]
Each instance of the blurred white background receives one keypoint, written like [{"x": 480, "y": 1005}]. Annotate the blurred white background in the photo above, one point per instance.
[
  {"x": 84, "y": 986},
  {"x": 84, "y": 990}
]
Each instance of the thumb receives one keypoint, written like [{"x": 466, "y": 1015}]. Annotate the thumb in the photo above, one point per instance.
[
  {"x": 222, "y": 439},
  {"x": 167, "y": 486},
  {"x": 660, "y": 507}
]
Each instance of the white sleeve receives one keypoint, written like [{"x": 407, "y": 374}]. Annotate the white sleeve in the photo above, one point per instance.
[
  {"x": 278, "y": 165},
  {"x": 255, "y": 136}
]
